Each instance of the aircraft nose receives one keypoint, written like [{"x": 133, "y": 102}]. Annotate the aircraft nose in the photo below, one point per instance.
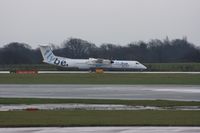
[{"x": 144, "y": 67}]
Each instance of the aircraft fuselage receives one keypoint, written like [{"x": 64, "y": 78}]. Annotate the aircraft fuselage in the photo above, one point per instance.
[{"x": 90, "y": 63}]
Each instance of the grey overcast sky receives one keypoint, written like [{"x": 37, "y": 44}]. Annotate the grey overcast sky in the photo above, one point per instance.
[{"x": 99, "y": 21}]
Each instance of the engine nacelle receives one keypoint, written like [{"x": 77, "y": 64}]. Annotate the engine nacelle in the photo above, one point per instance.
[{"x": 100, "y": 61}]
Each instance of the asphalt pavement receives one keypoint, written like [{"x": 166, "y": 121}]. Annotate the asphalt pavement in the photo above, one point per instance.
[
  {"x": 102, "y": 130},
  {"x": 149, "y": 92}
]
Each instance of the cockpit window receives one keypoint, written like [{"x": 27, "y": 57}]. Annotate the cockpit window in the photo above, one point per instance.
[{"x": 137, "y": 63}]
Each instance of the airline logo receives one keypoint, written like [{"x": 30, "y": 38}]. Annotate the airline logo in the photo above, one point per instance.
[
  {"x": 124, "y": 65},
  {"x": 49, "y": 55}
]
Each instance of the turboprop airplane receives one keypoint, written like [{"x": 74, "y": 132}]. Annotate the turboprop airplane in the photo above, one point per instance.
[{"x": 90, "y": 64}]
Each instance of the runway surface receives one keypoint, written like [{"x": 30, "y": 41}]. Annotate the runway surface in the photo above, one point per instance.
[
  {"x": 20, "y": 107},
  {"x": 148, "y": 72},
  {"x": 167, "y": 92},
  {"x": 102, "y": 130},
  {"x": 119, "y": 72}
]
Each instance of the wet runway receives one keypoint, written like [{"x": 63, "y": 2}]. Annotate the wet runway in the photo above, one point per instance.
[
  {"x": 169, "y": 92},
  {"x": 20, "y": 107},
  {"x": 102, "y": 130}
]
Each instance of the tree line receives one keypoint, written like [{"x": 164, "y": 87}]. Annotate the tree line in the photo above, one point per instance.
[{"x": 154, "y": 51}]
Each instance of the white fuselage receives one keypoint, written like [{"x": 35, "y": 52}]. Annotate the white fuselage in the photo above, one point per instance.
[
  {"x": 86, "y": 64},
  {"x": 90, "y": 63}
]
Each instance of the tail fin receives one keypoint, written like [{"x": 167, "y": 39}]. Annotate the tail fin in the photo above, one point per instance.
[
  {"x": 50, "y": 58},
  {"x": 47, "y": 54}
]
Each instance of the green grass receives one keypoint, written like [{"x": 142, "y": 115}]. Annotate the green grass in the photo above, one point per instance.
[
  {"x": 106, "y": 78},
  {"x": 160, "y": 103},
  {"x": 173, "y": 66},
  {"x": 99, "y": 118}
]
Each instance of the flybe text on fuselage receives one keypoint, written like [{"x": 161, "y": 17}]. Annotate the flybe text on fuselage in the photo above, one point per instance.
[{"x": 60, "y": 62}]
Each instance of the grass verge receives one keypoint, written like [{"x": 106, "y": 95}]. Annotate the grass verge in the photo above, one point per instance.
[
  {"x": 99, "y": 118},
  {"x": 159, "y": 103},
  {"x": 106, "y": 78}
]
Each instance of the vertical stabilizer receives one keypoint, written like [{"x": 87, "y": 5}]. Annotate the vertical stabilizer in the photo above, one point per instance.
[
  {"x": 50, "y": 58},
  {"x": 47, "y": 54}
]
